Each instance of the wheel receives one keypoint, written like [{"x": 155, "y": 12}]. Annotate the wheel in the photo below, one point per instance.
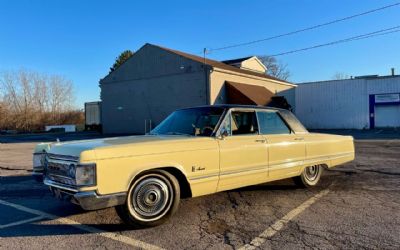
[
  {"x": 152, "y": 199},
  {"x": 309, "y": 177}
]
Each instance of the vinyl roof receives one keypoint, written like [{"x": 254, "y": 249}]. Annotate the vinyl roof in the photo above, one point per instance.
[{"x": 229, "y": 106}]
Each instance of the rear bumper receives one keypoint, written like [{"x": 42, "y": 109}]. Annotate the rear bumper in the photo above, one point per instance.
[{"x": 88, "y": 200}]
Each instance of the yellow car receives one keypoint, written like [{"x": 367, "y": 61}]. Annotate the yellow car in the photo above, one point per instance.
[{"x": 193, "y": 152}]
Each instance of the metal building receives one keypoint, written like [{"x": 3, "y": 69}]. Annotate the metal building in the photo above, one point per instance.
[
  {"x": 156, "y": 81},
  {"x": 361, "y": 103}
]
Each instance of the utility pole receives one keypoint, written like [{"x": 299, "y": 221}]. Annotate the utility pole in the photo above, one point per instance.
[{"x": 206, "y": 78}]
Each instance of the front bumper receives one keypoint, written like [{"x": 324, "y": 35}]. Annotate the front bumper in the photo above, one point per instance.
[
  {"x": 92, "y": 201},
  {"x": 88, "y": 200}
]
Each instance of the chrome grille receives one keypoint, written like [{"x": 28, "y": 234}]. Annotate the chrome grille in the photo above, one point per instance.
[
  {"x": 58, "y": 157},
  {"x": 57, "y": 168}
]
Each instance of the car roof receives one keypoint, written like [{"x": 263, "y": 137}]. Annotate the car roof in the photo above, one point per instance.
[{"x": 230, "y": 106}]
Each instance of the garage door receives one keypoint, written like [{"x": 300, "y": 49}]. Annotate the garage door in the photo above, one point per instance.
[{"x": 387, "y": 116}]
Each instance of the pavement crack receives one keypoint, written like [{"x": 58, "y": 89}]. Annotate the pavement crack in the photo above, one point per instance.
[{"x": 381, "y": 172}]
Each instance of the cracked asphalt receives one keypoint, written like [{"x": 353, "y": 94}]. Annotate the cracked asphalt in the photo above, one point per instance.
[{"x": 361, "y": 210}]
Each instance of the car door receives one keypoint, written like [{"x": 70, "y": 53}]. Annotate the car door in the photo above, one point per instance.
[
  {"x": 243, "y": 151},
  {"x": 286, "y": 150}
]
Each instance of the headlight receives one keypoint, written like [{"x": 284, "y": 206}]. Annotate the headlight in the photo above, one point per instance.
[
  {"x": 38, "y": 160},
  {"x": 85, "y": 175}
]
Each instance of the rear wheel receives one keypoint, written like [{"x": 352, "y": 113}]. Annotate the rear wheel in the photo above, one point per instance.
[
  {"x": 309, "y": 177},
  {"x": 152, "y": 199}
]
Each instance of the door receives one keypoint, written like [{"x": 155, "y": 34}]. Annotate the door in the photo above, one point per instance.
[
  {"x": 243, "y": 151},
  {"x": 286, "y": 150},
  {"x": 387, "y": 116}
]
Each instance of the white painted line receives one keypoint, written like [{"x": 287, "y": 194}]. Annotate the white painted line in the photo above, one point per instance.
[
  {"x": 113, "y": 236},
  {"x": 279, "y": 224},
  {"x": 22, "y": 222}
]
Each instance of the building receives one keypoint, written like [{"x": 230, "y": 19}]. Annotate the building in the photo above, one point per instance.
[
  {"x": 364, "y": 102},
  {"x": 156, "y": 81}
]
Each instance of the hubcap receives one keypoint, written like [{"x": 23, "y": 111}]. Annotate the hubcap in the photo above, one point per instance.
[
  {"x": 311, "y": 173},
  {"x": 150, "y": 198}
]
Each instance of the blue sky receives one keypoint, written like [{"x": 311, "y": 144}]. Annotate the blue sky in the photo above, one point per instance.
[{"x": 80, "y": 39}]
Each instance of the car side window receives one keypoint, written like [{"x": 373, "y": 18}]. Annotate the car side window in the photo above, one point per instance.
[
  {"x": 225, "y": 128},
  {"x": 271, "y": 123},
  {"x": 244, "y": 123}
]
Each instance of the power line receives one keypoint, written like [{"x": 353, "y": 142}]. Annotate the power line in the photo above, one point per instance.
[
  {"x": 305, "y": 29},
  {"x": 350, "y": 39}
]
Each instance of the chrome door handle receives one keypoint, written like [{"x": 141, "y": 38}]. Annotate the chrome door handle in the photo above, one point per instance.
[
  {"x": 299, "y": 139},
  {"x": 261, "y": 140}
]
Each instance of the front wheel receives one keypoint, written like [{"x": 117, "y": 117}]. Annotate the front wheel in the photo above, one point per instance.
[
  {"x": 309, "y": 177},
  {"x": 152, "y": 199}
]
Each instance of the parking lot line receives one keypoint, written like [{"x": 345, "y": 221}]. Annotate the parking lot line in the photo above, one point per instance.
[
  {"x": 279, "y": 224},
  {"x": 21, "y": 222},
  {"x": 113, "y": 236}
]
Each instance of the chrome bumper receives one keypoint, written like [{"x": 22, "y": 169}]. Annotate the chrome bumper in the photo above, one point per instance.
[
  {"x": 88, "y": 200},
  {"x": 91, "y": 201}
]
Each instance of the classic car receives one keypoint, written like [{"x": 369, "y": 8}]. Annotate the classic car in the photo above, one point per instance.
[{"x": 193, "y": 152}]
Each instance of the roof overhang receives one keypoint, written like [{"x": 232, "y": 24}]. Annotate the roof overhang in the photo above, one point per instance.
[{"x": 241, "y": 93}]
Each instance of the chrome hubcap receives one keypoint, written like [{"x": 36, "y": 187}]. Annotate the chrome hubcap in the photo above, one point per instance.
[
  {"x": 150, "y": 198},
  {"x": 311, "y": 173}
]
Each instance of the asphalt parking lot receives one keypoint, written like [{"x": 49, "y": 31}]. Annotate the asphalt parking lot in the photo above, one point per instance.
[{"x": 356, "y": 205}]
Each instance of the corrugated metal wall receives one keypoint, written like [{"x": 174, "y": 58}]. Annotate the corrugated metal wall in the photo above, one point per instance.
[{"x": 340, "y": 103}]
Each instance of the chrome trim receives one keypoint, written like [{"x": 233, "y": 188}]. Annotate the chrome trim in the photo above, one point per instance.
[
  {"x": 268, "y": 168},
  {"x": 62, "y": 157},
  {"x": 330, "y": 157},
  {"x": 58, "y": 185},
  {"x": 90, "y": 200},
  {"x": 245, "y": 170},
  {"x": 203, "y": 177}
]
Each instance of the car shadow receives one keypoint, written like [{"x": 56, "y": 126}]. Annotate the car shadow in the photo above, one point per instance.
[{"x": 24, "y": 191}]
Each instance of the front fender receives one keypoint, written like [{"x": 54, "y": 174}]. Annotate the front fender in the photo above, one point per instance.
[{"x": 116, "y": 175}]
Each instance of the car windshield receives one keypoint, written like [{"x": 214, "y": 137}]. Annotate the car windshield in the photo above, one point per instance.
[{"x": 191, "y": 122}]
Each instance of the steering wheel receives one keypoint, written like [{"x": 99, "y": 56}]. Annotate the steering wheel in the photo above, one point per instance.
[{"x": 204, "y": 129}]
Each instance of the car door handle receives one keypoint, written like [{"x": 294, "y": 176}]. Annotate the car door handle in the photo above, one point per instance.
[
  {"x": 260, "y": 140},
  {"x": 299, "y": 139}
]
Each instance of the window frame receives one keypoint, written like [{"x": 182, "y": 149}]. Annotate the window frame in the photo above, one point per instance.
[{"x": 229, "y": 114}]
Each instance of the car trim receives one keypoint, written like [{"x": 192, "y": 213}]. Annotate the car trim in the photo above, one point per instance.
[
  {"x": 297, "y": 163},
  {"x": 203, "y": 177},
  {"x": 58, "y": 185},
  {"x": 92, "y": 201},
  {"x": 330, "y": 157},
  {"x": 59, "y": 157}
]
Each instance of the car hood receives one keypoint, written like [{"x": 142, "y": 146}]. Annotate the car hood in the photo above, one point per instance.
[{"x": 121, "y": 146}]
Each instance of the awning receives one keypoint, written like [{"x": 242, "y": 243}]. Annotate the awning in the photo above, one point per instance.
[{"x": 246, "y": 94}]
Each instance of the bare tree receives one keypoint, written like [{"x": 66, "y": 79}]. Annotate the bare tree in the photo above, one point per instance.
[
  {"x": 29, "y": 100},
  {"x": 340, "y": 76},
  {"x": 275, "y": 68}
]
